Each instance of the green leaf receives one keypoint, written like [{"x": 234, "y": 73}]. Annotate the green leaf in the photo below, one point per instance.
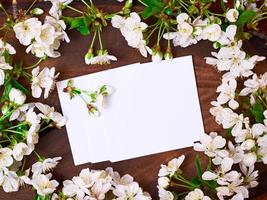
[
  {"x": 7, "y": 57},
  {"x": 212, "y": 184},
  {"x": 196, "y": 181},
  {"x": 257, "y": 110},
  {"x": 198, "y": 166},
  {"x": 245, "y": 17},
  {"x": 153, "y": 7},
  {"x": 79, "y": 23},
  {"x": 18, "y": 86},
  {"x": 7, "y": 88}
]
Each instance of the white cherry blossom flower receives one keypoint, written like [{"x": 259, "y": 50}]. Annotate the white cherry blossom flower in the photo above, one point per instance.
[
  {"x": 249, "y": 159},
  {"x": 196, "y": 194},
  {"x": 44, "y": 79},
  {"x": 227, "y": 38},
  {"x": 6, "y": 159},
  {"x": 132, "y": 29},
  {"x": 171, "y": 167},
  {"x": 164, "y": 194},
  {"x": 3, "y": 66},
  {"x": 4, "y": 46},
  {"x": 103, "y": 58},
  {"x": 210, "y": 144},
  {"x": 99, "y": 190},
  {"x": 117, "y": 179},
  {"x": 253, "y": 84},
  {"x": 20, "y": 150},
  {"x": 211, "y": 32},
  {"x": 163, "y": 181},
  {"x": 251, "y": 176},
  {"x": 262, "y": 152},
  {"x": 234, "y": 188},
  {"x": 32, "y": 136},
  {"x": 31, "y": 117},
  {"x": 27, "y": 30},
  {"x": 223, "y": 175},
  {"x": 43, "y": 185},
  {"x": 130, "y": 191},
  {"x": 57, "y": 6},
  {"x": 25, "y": 179},
  {"x": 45, "y": 166},
  {"x": 9, "y": 181},
  {"x": 49, "y": 113},
  {"x": 16, "y": 96},
  {"x": 60, "y": 28},
  {"x": 227, "y": 93}
]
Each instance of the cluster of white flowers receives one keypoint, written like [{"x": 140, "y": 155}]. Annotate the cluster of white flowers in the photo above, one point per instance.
[
  {"x": 190, "y": 32},
  {"x": 166, "y": 173},
  {"x": 40, "y": 180},
  {"x": 5, "y": 48},
  {"x": 132, "y": 29},
  {"x": 42, "y": 39},
  {"x": 43, "y": 79},
  {"x": 96, "y": 184},
  {"x": 24, "y": 117}
]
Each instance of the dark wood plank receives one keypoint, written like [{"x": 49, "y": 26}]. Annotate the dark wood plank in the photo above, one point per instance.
[{"x": 144, "y": 169}]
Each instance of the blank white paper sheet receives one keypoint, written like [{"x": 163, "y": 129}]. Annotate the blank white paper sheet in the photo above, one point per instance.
[{"x": 154, "y": 108}]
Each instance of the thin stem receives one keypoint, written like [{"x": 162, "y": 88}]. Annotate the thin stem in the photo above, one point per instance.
[
  {"x": 3, "y": 141},
  {"x": 15, "y": 126},
  {"x": 27, "y": 75},
  {"x": 38, "y": 156},
  {"x": 48, "y": 126},
  {"x": 23, "y": 165},
  {"x": 30, "y": 7},
  {"x": 100, "y": 39},
  {"x": 74, "y": 9},
  {"x": 83, "y": 99},
  {"x": 259, "y": 97},
  {"x": 159, "y": 33},
  {"x": 11, "y": 131},
  {"x": 2, "y": 7},
  {"x": 185, "y": 186},
  {"x": 86, "y": 3},
  {"x": 142, "y": 3},
  {"x": 259, "y": 19},
  {"x": 34, "y": 65},
  {"x": 150, "y": 34},
  {"x": 183, "y": 180},
  {"x": 3, "y": 27},
  {"x": 93, "y": 40}
]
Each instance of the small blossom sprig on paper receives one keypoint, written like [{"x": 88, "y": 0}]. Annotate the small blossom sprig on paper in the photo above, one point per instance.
[
  {"x": 94, "y": 100},
  {"x": 101, "y": 184}
]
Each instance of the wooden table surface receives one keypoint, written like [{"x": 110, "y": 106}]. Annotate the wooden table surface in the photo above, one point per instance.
[{"x": 55, "y": 142}]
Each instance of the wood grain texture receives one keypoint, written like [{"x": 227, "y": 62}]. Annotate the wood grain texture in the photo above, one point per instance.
[{"x": 71, "y": 63}]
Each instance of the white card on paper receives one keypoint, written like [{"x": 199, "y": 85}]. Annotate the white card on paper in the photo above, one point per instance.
[{"x": 154, "y": 108}]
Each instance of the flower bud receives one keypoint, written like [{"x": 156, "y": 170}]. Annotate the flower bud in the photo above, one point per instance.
[
  {"x": 232, "y": 15},
  {"x": 89, "y": 56},
  {"x": 156, "y": 55},
  {"x": 37, "y": 11},
  {"x": 92, "y": 110},
  {"x": 168, "y": 54}
]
